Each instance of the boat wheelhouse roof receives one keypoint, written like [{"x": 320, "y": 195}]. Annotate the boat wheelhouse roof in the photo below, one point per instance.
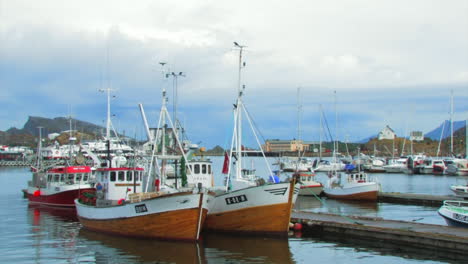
[
  {"x": 70, "y": 169},
  {"x": 120, "y": 169}
]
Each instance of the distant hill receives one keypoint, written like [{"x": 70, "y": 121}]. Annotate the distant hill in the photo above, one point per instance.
[
  {"x": 55, "y": 125},
  {"x": 27, "y": 135},
  {"x": 435, "y": 134}
]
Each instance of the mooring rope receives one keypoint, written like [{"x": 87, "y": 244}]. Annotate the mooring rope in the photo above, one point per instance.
[{"x": 339, "y": 213}]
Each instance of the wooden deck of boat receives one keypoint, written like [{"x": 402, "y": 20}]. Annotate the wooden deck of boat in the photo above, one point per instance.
[
  {"x": 410, "y": 234},
  {"x": 416, "y": 199}
]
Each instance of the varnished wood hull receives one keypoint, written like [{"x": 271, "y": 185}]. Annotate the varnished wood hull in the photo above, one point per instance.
[
  {"x": 175, "y": 218},
  {"x": 266, "y": 210}
]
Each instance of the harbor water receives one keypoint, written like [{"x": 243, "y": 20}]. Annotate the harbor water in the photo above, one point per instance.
[{"x": 30, "y": 234}]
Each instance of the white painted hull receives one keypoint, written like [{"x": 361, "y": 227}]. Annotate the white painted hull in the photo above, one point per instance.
[
  {"x": 354, "y": 191},
  {"x": 395, "y": 169},
  {"x": 460, "y": 190},
  {"x": 455, "y": 215}
]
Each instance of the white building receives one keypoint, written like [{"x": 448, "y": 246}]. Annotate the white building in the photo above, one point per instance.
[
  {"x": 416, "y": 136},
  {"x": 387, "y": 133}
]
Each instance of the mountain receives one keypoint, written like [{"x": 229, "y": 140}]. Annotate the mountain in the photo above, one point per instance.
[
  {"x": 435, "y": 134},
  {"x": 55, "y": 125}
]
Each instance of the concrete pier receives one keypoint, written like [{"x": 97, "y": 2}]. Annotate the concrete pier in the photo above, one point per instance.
[
  {"x": 407, "y": 234},
  {"x": 416, "y": 199}
]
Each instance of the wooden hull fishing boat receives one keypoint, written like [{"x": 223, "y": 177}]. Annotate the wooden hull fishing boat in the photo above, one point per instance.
[
  {"x": 262, "y": 209},
  {"x": 177, "y": 216}
]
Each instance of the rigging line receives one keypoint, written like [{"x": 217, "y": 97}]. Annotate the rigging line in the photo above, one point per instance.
[
  {"x": 254, "y": 123},
  {"x": 328, "y": 128}
]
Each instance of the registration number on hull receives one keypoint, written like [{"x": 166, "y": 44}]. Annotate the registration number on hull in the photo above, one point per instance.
[{"x": 236, "y": 199}]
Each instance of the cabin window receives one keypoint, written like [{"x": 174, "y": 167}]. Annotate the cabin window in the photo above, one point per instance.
[
  {"x": 209, "y": 169},
  {"x": 136, "y": 174},
  {"x": 49, "y": 177},
  {"x": 62, "y": 177},
  {"x": 197, "y": 169},
  {"x": 70, "y": 178},
  {"x": 113, "y": 176},
  {"x": 85, "y": 177},
  {"x": 204, "y": 168},
  {"x": 130, "y": 176},
  {"x": 121, "y": 175},
  {"x": 56, "y": 177},
  {"x": 78, "y": 177}
]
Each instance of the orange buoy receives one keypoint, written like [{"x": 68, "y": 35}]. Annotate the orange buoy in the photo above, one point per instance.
[
  {"x": 297, "y": 227},
  {"x": 121, "y": 201},
  {"x": 37, "y": 193}
]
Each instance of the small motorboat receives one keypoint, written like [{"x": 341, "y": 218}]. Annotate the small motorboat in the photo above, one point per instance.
[{"x": 455, "y": 213}]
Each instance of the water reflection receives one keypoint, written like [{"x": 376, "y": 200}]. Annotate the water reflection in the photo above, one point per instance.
[
  {"x": 143, "y": 250},
  {"x": 246, "y": 249}
]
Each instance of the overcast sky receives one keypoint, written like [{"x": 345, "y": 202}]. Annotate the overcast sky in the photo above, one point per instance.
[{"x": 390, "y": 62}]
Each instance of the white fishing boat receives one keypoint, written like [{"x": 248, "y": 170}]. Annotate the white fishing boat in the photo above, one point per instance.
[
  {"x": 455, "y": 213},
  {"x": 355, "y": 186},
  {"x": 247, "y": 204},
  {"x": 309, "y": 186}
]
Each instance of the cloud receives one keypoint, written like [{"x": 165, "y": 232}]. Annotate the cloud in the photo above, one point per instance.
[{"x": 390, "y": 62}]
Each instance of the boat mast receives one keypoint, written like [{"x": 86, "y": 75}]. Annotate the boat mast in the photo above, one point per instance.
[
  {"x": 320, "y": 132},
  {"x": 335, "y": 143},
  {"x": 39, "y": 149},
  {"x": 238, "y": 118},
  {"x": 451, "y": 122}
]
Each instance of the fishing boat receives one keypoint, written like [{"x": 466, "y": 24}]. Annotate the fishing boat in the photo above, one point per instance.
[
  {"x": 356, "y": 186},
  {"x": 249, "y": 204},
  {"x": 59, "y": 184},
  {"x": 455, "y": 213},
  {"x": 309, "y": 187},
  {"x": 121, "y": 206}
]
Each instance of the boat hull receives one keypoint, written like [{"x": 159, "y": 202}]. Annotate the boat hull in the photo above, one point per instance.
[
  {"x": 63, "y": 198},
  {"x": 360, "y": 191},
  {"x": 311, "y": 190},
  {"x": 460, "y": 190},
  {"x": 454, "y": 218},
  {"x": 264, "y": 209},
  {"x": 174, "y": 217}
]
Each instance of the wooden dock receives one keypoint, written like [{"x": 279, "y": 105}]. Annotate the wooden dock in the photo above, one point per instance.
[
  {"x": 401, "y": 233},
  {"x": 416, "y": 199}
]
